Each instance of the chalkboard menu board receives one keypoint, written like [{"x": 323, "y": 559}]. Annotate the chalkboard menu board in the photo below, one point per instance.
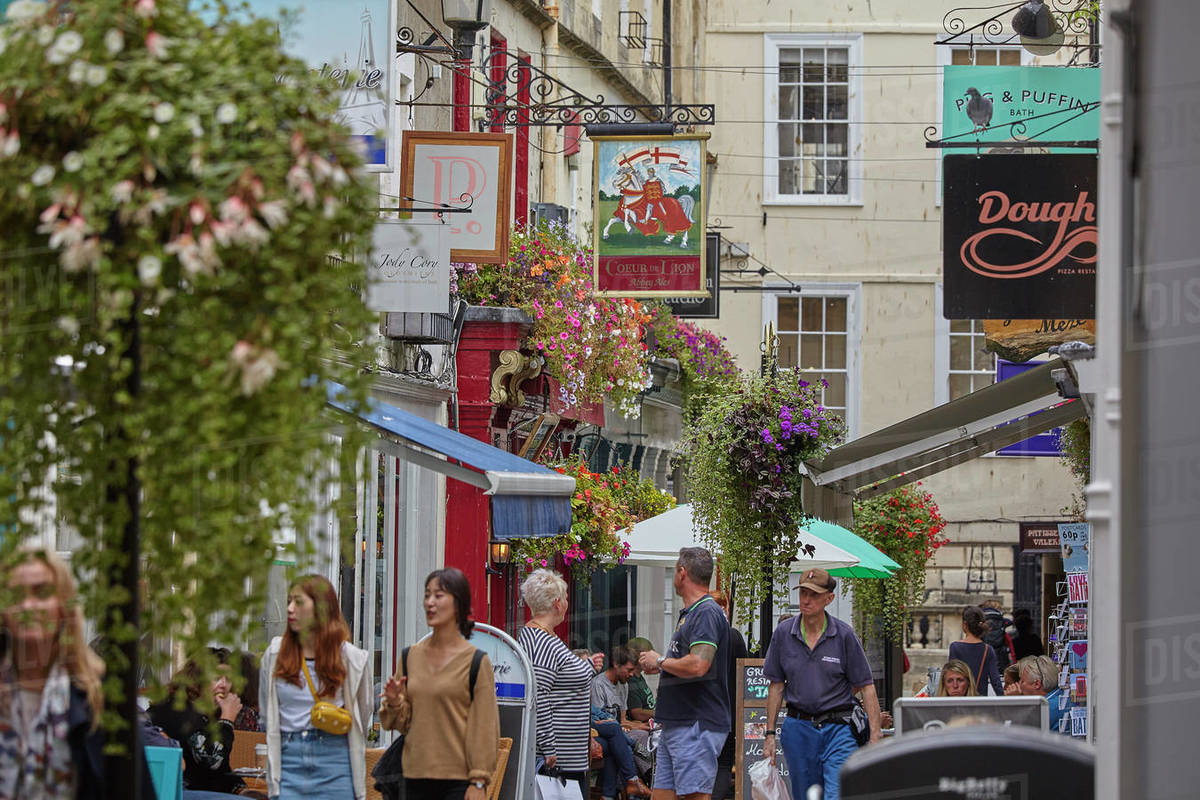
[{"x": 750, "y": 733}]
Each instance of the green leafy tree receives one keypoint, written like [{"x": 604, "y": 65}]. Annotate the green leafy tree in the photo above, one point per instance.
[{"x": 172, "y": 190}]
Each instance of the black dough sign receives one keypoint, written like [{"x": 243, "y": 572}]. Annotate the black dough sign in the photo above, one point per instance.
[
  {"x": 1019, "y": 236},
  {"x": 750, "y": 725}
]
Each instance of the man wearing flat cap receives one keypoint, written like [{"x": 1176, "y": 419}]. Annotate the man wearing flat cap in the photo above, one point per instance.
[{"x": 816, "y": 664}]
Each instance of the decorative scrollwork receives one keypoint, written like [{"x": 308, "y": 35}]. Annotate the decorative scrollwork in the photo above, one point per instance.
[
  {"x": 552, "y": 102},
  {"x": 995, "y": 28}
]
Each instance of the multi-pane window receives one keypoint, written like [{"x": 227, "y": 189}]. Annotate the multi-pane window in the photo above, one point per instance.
[
  {"x": 972, "y": 367},
  {"x": 986, "y": 56},
  {"x": 814, "y": 120},
  {"x": 813, "y": 337}
]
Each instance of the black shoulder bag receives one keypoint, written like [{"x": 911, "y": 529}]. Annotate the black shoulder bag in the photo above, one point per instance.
[{"x": 389, "y": 770}]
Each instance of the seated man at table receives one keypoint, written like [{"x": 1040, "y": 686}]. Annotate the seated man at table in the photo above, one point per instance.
[
  {"x": 609, "y": 698},
  {"x": 640, "y": 700}
]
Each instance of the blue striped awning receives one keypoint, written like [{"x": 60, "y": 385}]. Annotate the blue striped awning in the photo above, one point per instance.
[{"x": 527, "y": 499}]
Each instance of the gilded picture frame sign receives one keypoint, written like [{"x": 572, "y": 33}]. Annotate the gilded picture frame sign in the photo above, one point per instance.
[
  {"x": 462, "y": 169},
  {"x": 650, "y": 204},
  {"x": 354, "y": 51}
]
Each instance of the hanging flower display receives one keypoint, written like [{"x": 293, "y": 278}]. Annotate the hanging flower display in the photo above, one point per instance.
[
  {"x": 906, "y": 525},
  {"x": 707, "y": 365},
  {"x": 744, "y": 450},
  {"x": 595, "y": 346}
]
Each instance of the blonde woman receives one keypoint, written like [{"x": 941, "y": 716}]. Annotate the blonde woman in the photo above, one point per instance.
[
  {"x": 564, "y": 682},
  {"x": 50, "y": 697},
  {"x": 957, "y": 680}
]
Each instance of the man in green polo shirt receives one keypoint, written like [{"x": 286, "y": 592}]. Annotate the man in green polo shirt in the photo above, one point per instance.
[{"x": 641, "y": 696}]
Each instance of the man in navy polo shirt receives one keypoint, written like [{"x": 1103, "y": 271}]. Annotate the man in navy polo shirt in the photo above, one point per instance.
[
  {"x": 816, "y": 663},
  {"x": 693, "y": 697}
]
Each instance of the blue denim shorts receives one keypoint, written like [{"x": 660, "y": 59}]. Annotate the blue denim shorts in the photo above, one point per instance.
[
  {"x": 686, "y": 759},
  {"x": 315, "y": 765}
]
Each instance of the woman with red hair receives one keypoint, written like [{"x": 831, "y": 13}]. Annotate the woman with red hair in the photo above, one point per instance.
[{"x": 314, "y": 661}]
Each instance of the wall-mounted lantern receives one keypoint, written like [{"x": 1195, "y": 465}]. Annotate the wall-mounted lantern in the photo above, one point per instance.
[{"x": 466, "y": 18}]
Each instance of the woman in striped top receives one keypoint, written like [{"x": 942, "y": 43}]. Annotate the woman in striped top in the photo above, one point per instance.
[{"x": 563, "y": 679}]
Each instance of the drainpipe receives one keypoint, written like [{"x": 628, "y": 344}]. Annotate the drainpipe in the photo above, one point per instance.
[
  {"x": 667, "y": 56},
  {"x": 548, "y": 166}
]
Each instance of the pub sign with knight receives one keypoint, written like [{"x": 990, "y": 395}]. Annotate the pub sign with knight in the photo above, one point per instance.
[{"x": 650, "y": 210}]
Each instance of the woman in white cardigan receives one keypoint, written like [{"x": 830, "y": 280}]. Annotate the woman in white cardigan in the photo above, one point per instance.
[{"x": 303, "y": 761}]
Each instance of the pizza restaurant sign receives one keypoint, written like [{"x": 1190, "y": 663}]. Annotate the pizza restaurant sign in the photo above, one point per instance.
[{"x": 1020, "y": 236}]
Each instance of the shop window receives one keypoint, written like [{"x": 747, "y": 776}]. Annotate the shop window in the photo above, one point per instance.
[{"x": 812, "y": 98}]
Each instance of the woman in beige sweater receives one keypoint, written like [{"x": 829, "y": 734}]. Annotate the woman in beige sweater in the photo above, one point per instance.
[{"x": 451, "y": 728}]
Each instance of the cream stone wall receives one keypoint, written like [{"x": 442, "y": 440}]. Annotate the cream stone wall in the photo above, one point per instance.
[{"x": 888, "y": 246}]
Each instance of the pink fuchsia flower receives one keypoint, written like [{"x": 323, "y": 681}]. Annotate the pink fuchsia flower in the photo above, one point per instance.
[{"x": 157, "y": 44}]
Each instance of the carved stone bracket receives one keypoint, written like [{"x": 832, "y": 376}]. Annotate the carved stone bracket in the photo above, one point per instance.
[{"x": 515, "y": 368}]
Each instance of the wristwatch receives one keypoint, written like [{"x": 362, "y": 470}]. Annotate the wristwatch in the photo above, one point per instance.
[
  {"x": 659, "y": 661},
  {"x": 480, "y": 785},
  {"x": 769, "y": 733}
]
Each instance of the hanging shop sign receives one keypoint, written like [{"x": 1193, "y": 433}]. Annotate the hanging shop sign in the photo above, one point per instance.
[
  {"x": 409, "y": 267},
  {"x": 463, "y": 170},
  {"x": 1019, "y": 236},
  {"x": 1039, "y": 537},
  {"x": 709, "y": 306},
  {"x": 1051, "y": 103},
  {"x": 1019, "y": 340},
  {"x": 354, "y": 52},
  {"x": 650, "y": 209}
]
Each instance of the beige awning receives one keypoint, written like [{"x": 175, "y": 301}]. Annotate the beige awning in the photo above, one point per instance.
[{"x": 981, "y": 422}]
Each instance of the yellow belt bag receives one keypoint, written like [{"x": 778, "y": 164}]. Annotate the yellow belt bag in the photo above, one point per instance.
[{"x": 325, "y": 715}]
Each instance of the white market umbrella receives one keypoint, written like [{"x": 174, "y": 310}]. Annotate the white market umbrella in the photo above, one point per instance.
[{"x": 655, "y": 542}]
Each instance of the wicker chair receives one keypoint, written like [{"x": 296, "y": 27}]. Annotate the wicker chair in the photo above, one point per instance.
[
  {"x": 502, "y": 753},
  {"x": 242, "y": 754},
  {"x": 373, "y": 756}
]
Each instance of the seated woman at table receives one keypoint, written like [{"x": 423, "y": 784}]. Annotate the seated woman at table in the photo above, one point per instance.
[
  {"x": 206, "y": 743},
  {"x": 957, "y": 680}
]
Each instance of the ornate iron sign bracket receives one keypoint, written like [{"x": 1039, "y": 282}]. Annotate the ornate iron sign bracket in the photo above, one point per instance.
[
  {"x": 406, "y": 38},
  {"x": 553, "y": 102},
  {"x": 994, "y": 29},
  {"x": 1017, "y": 129}
]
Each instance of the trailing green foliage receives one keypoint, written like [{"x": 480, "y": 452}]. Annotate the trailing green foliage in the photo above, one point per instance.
[
  {"x": 172, "y": 194},
  {"x": 906, "y": 525},
  {"x": 744, "y": 450},
  {"x": 1075, "y": 444}
]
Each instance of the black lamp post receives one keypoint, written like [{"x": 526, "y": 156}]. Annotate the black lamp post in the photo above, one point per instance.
[{"x": 466, "y": 18}]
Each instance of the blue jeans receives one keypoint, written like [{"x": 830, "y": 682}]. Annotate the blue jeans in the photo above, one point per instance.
[
  {"x": 815, "y": 755},
  {"x": 315, "y": 766},
  {"x": 618, "y": 757}
]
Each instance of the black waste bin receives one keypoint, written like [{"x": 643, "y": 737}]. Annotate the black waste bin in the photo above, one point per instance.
[{"x": 983, "y": 762}]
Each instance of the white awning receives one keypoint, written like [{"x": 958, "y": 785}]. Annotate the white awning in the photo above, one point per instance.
[
  {"x": 656, "y": 542},
  {"x": 981, "y": 422}
]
